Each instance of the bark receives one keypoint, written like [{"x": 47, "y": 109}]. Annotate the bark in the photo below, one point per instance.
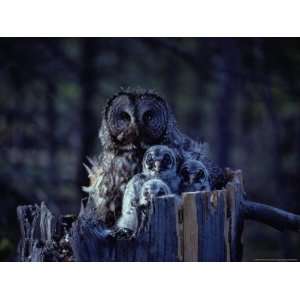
[
  {"x": 272, "y": 216},
  {"x": 229, "y": 59},
  {"x": 207, "y": 226},
  {"x": 92, "y": 241}
]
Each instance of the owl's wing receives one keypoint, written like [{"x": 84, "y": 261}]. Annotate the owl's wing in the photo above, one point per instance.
[
  {"x": 217, "y": 178},
  {"x": 129, "y": 217},
  {"x": 95, "y": 174},
  {"x": 132, "y": 191}
]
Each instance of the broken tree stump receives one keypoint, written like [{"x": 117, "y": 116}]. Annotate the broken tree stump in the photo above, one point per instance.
[
  {"x": 91, "y": 241},
  {"x": 206, "y": 226},
  {"x": 44, "y": 236},
  {"x": 213, "y": 224}
]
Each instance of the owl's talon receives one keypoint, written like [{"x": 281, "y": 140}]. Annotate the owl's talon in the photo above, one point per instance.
[{"x": 122, "y": 234}]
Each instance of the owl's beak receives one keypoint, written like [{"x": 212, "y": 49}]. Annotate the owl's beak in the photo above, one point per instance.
[
  {"x": 120, "y": 137},
  {"x": 130, "y": 135},
  {"x": 192, "y": 179},
  {"x": 133, "y": 131},
  {"x": 157, "y": 166}
]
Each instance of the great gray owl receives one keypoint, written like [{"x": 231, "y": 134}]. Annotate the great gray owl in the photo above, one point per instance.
[
  {"x": 132, "y": 122},
  {"x": 194, "y": 176},
  {"x": 138, "y": 205}
]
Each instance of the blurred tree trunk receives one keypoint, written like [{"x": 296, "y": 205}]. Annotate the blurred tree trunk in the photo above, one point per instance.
[
  {"x": 268, "y": 100},
  {"x": 171, "y": 81},
  {"x": 281, "y": 193},
  {"x": 89, "y": 126},
  {"x": 53, "y": 166},
  {"x": 198, "y": 115},
  {"x": 226, "y": 69}
]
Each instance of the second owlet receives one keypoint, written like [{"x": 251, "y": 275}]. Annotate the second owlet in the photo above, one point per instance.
[{"x": 194, "y": 177}]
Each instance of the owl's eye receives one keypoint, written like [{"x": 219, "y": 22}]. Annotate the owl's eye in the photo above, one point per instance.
[
  {"x": 124, "y": 116},
  {"x": 150, "y": 162},
  {"x": 200, "y": 175},
  {"x": 160, "y": 193},
  {"x": 148, "y": 116},
  {"x": 166, "y": 161},
  {"x": 185, "y": 175}
]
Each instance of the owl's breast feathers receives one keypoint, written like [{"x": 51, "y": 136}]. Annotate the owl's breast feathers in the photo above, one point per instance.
[{"x": 109, "y": 177}]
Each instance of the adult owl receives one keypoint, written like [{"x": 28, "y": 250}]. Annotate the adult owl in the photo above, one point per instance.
[
  {"x": 194, "y": 176},
  {"x": 132, "y": 122}
]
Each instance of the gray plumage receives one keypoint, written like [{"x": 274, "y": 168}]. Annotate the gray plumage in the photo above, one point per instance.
[
  {"x": 159, "y": 177},
  {"x": 138, "y": 203},
  {"x": 160, "y": 162},
  {"x": 194, "y": 177},
  {"x": 132, "y": 122}
]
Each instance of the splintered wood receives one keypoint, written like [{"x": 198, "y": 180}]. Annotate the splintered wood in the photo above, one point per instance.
[
  {"x": 211, "y": 224},
  {"x": 190, "y": 228},
  {"x": 203, "y": 226},
  {"x": 159, "y": 242}
]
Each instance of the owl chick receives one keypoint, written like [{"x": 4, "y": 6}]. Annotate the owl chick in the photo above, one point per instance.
[
  {"x": 137, "y": 210},
  {"x": 160, "y": 162},
  {"x": 194, "y": 176}
]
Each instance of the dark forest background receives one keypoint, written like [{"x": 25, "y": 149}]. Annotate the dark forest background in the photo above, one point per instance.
[{"x": 240, "y": 95}]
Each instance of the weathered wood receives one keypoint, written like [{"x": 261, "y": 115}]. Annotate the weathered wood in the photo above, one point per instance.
[
  {"x": 234, "y": 193},
  {"x": 190, "y": 228},
  {"x": 207, "y": 226},
  {"x": 272, "y": 216},
  {"x": 28, "y": 217},
  {"x": 92, "y": 241},
  {"x": 211, "y": 213},
  {"x": 213, "y": 224},
  {"x": 40, "y": 234}
]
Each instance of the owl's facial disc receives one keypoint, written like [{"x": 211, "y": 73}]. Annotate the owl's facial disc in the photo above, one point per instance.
[
  {"x": 159, "y": 160},
  {"x": 154, "y": 188},
  {"x": 193, "y": 172}
]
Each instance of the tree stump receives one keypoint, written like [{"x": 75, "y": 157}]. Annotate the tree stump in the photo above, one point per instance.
[
  {"x": 213, "y": 224},
  {"x": 206, "y": 226},
  {"x": 91, "y": 241}
]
